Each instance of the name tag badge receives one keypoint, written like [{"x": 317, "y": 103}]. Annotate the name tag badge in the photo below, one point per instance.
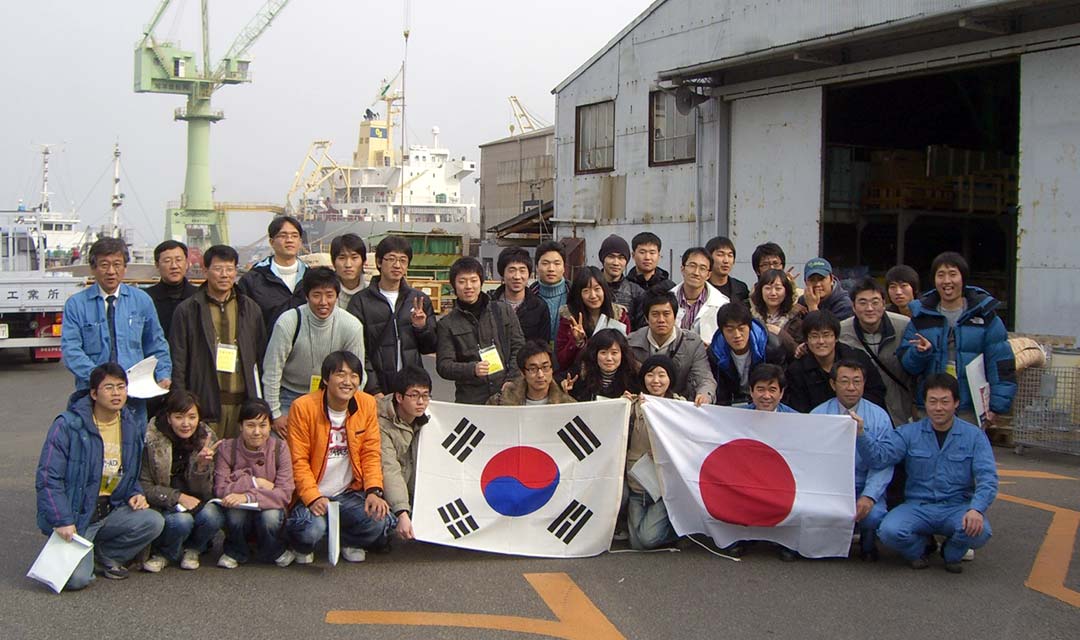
[
  {"x": 490, "y": 355},
  {"x": 314, "y": 386},
  {"x": 226, "y": 358},
  {"x": 950, "y": 369}
]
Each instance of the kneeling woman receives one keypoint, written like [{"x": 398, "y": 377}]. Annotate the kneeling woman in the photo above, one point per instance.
[
  {"x": 647, "y": 519},
  {"x": 177, "y": 475},
  {"x": 254, "y": 479},
  {"x": 606, "y": 369}
]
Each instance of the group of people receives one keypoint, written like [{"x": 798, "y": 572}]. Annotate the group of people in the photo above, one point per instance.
[{"x": 295, "y": 387}]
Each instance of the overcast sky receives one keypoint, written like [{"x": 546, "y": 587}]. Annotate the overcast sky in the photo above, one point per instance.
[{"x": 68, "y": 73}]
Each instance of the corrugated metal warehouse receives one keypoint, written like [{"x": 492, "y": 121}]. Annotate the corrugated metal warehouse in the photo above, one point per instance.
[{"x": 872, "y": 133}]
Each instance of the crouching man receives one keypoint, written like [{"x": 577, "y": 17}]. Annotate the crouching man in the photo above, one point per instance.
[
  {"x": 334, "y": 441},
  {"x": 402, "y": 413},
  {"x": 537, "y": 385},
  {"x": 87, "y": 479},
  {"x": 951, "y": 478}
]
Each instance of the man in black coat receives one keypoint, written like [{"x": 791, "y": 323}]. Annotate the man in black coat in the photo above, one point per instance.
[
  {"x": 171, "y": 260},
  {"x": 218, "y": 343},
  {"x": 274, "y": 281},
  {"x": 516, "y": 267},
  {"x": 722, "y": 250},
  {"x": 808, "y": 377},
  {"x": 399, "y": 321}
]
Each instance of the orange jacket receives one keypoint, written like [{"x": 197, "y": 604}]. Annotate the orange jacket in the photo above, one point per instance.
[{"x": 309, "y": 440}]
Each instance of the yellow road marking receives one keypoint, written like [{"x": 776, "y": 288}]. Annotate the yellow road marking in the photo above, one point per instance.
[
  {"x": 1038, "y": 475},
  {"x": 1051, "y": 566},
  {"x": 577, "y": 617}
]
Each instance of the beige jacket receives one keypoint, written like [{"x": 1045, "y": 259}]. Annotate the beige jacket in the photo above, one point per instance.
[
  {"x": 399, "y": 442},
  {"x": 514, "y": 396},
  {"x": 639, "y": 441}
]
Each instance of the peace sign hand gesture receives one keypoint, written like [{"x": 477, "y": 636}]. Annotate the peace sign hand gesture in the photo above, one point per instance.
[
  {"x": 419, "y": 316},
  {"x": 567, "y": 383},
  {"x": 577, "y": 326}
]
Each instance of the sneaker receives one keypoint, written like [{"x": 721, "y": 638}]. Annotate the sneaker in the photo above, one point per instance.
[
  {"x": 969, "y": 555},
  {"x": 115, "y": 573},
  {"x": 304, "y": 558},
  {"x": 227, "y": 562},
  {"x": 621, "y": 535},
  {"x": 190, "y": 561},
  {"x": 954, "y": 567},
  {"x": 285, "y": 559},
  {"x": 154, "y": 564},
  {"x": 920, "y": 563},
  {"x": 353, "y": 554}
]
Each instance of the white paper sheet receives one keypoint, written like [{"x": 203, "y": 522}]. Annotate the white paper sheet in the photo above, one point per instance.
[
  {"x": 644, "y": 471},
  {"x": 979, "y": 387},
  {"x": 141, "y": 382},
  {"x": 333, "y": 532},
  {"x": 58, "y": 560},
  {"x": 249, "y": 506}
]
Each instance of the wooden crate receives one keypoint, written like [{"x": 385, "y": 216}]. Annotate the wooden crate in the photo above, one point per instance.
[{"x": 924, "y": 193}]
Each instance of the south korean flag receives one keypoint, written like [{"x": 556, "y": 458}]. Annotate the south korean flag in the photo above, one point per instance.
[{"x": 535, "y": 481}]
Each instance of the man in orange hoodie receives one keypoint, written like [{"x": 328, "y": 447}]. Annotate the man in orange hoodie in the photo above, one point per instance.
[{"x": 335, "y": 446}]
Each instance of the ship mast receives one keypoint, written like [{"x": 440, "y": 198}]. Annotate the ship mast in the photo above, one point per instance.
[
  {"x": 404, "y": 131},
  {"x": 117, "y": 197},
  {"x": 44, "y": 207}
]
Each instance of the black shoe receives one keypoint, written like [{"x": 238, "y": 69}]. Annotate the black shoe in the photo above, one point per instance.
[
  {"x": 115, "y": 573},
  {"x": 733, "y": 550},
  {"x": 869, "y": 556},
  {"x": 920, "y": 563},
  {"x": 787, "y": 555},
  {"x": 954, "y": 567}
]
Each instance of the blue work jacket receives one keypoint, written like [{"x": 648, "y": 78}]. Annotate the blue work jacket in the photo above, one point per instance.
[{"x": 869, "y": 482}]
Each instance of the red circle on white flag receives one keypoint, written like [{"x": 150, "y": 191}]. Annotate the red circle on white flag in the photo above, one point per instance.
[{"x": 747, "y": 482}]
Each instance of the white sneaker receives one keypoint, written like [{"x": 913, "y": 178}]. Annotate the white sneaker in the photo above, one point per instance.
[
  {"x": 969, "y": 555},
  {"x": 227, "y": 562},
  {"x": 154, "y": 564},
  {"x": 285, "y": 559},
  {"x": 353, "y": 554},
  {"x": 304, "y": 558},
  {"x": 190, "y": 561}
]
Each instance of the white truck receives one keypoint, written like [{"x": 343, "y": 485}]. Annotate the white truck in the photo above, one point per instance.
[{"x": 31, "y": 299}]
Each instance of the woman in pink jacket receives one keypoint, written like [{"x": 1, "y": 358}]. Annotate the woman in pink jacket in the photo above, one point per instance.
[{"x": 253, "y": 479}]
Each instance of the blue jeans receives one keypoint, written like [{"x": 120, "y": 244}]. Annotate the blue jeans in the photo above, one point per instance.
[
  {"x": 305, "y": 529},
  {"x": 648, "y": 522},
  {"x": 187, "y": 531},
  {"x": 285, "y": 399},
  {"x": 907, "y": 527},
  {"x": 868, "y": 526},
  {"x": 240, "y": 524},
  {"x": 117, "y": 538}
]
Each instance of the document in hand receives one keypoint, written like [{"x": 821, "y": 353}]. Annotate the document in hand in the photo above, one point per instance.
[
  {"x": 247, "y": 506},
  {"x": 58, "y": 560},
  {"x": 141, "y": 382}
]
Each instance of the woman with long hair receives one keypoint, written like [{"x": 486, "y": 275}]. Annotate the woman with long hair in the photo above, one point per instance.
[
  {"x": 590, "y": 307},
  {"x": 606, "y": 369},
  {"x": 177, "y": 476},
  {"x": 773, "y": 303}
]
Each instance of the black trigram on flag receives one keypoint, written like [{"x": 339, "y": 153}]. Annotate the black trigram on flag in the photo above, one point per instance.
[
  {"x": 459, "y": 522},
  {"x": 579, "y": 438},
  {"x": 463, "y": 440},
  {"x": 570, "y": 521}
]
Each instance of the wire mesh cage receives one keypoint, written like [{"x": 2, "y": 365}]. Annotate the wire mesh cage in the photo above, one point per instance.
[{"x": 1047, "y": 409}]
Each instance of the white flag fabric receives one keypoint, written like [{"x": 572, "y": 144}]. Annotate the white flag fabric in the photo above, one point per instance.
[
  {"x": 738, "y": 474},
  {"x": 536, "y": 481}
]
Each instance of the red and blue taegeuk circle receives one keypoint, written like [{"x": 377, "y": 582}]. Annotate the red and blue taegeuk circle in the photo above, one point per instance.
[{"x": 519, "y": 480}]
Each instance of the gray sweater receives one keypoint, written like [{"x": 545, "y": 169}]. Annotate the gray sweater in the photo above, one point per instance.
[{"x": 291, "y": 365}]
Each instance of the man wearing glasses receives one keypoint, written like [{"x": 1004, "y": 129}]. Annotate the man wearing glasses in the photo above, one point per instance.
[
  {"x": 537, "y": 385},
  {"x": 112, "y": 322},
  {"x": 877, "y": 333},
  {"x": 401, "y": 415},
  {"x": 274, "y": 281},
  {"x": 217, "y": 342},
  {"x": 698, "y": 300},
  {"x": 171, "y": 260},
  {"x": 808, "y": 377}
]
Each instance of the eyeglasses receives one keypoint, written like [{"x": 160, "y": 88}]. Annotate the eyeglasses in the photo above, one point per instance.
[
  {"x": 416, "y": 395},
  {"x": 106, "y": 267},
  {"x": 284, "y": 235},
  {"x": 222, "y": 271},
  {"x": 873, "y": 303},
  {"x": 534, "y": 370},
  {"x": 771, "y": 263},
  {"x": 695, "y": 267},
  {"x": 396, "y": 261},
  {"x": 113, "y": 388}
]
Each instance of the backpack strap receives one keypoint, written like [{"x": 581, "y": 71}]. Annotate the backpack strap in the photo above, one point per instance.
[{"x": 296, "y": 332}]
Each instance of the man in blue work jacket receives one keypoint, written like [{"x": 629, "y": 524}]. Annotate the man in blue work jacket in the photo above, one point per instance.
[
  {"x": 848, "y": 379},
  {"x": 951, "y": 478},
  {"x": 112, "y": 322}
]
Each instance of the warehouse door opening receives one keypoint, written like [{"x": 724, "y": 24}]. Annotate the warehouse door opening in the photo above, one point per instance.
[{"x": 921, "y": 165}]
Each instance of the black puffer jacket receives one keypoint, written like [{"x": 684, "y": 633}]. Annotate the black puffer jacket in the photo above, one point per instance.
[
  {"x": 381, "y": 336},
  {"x": 532, "y": 315},
  {"x": 462, "y": 335},
  {"x": 270, "y": 292}
]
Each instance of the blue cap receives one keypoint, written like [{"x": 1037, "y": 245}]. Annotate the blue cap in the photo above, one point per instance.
[{"x": 817, "y": 267}]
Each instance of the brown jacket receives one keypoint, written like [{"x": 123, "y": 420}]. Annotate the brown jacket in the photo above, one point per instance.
[
  {"x": 514, "y": 396},
  {"x": 155, "y": 473},
  {"x": 309, "y": 440},
  {"x": 399, "y": 441},
  {"x": 639, "y": 441}
]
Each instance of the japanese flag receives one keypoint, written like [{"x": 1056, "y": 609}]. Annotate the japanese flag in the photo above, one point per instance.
[
  {"x": 536, "y": 481},
  {"x": 738, "y": 474}
]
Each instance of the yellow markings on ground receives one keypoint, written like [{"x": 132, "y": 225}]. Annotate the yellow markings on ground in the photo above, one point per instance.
[
  {"x": 1051, "y": 567},
  {"x": 1038, "y": 475},
  {"x": 577, "y": 618}
]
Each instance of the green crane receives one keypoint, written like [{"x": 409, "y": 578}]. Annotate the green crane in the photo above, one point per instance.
[{"x": 162, "y": 67}]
